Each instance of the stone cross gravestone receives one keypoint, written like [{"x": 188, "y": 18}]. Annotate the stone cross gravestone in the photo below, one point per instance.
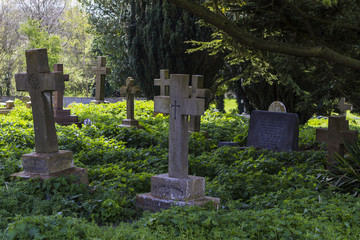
[
  {"x": 197, "y": 91},
  {"x": 273, "y": 130},
  {"x": 177, "y": 187},
  {"x": 130, "y": 90},
  {"x": 277, "y": 106},
  {"x": 343, "y": 106},
  {"x": 100, "y": 73},
  {"x": 47, "y": 161},
  {"x": 163, "y": 82},
  {"x": 335, "y": 135},
  {"x": 62, "y": 116}
]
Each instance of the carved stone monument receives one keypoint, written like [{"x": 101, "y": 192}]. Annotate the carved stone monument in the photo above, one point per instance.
[
  {"x": 47, "y": 161},
  {"x": 197, "y": 91},
  {"x": 164, "y": 83},
  {"x": 277, "y": 106},
  {"x": 62, "y": 116},
  {"x": 130, "y": 90},
  {"x": 9, "y": 106},
  {"x": 273, "y": 130},
  {"x": 100, "y": 71},
  {"x": 343, "y": 106},
  {"x": 176, "y": 187},
  {"x": 335, "y": 135}
]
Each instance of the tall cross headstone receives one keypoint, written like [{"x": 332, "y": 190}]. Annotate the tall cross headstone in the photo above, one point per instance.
[
  {"x": 100, "y": 73},
  {"x": 197, "y": 91},
  {"x": 177, "y": 187},
  {"x": 163, "y": 82},
  {"x": 130, "y": 90},
  {"x": 335, "y": 135},
  {"x": 343, "y": 106},
  {"x": 40, "y": 82},
  {"x": 59, "y": 95},
  {"x": 47, "y": 161}
]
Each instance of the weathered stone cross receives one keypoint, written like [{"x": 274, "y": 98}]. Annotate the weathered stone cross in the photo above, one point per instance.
[
  {"x": 130, "y": 90},
  {"x": 58, "y": 96},
  {"x": 101, "y": 71},
  {"x": 179, "y": 124},
  {"x": 343, "y": 106},
  {"x": 163, "y": 82},
  {"x": 40, "y": 82},
  {"x": 197, "y": 91},
  {"x": 335, "y": 135}
]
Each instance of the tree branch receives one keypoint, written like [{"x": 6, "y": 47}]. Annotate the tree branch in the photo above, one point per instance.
[{"x": 247, "y": 39}]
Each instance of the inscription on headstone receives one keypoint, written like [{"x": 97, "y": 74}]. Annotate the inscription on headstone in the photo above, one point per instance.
[{"x": 273, "y": 130}]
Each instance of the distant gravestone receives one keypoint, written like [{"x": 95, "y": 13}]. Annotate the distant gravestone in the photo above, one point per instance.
[
  {"x": 197, "y": 91},
  {"x": 9, "y": 106},
  {"x": 47, "y": 161},
  {"x": 343, "y": 106},
  {"x": 277, "y": 106},
  {"x": 100, "y": 74},
  {"x": 335, "y": 135},
  {"x": 130, "y": 90},
  {"x": 176, "y": 187},
  {"x": 62, "y": 116},
  {"x": 273, "y": 130},
  {"x": 164, "y": 83}
]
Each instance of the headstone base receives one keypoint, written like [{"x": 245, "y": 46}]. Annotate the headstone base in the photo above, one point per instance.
[
  {"x": 63, "y": 117},
  {"x": 168, "y": 191},
  {"x": 47, "y": 165},
  {"x": 78, "y": 172},
  {"x": 47, "y": 162},
  {"x": 148, "y": 202},
  {"x": 99, "y": 102},
  {"x": 131, "y": 123},
  {"x": 5, "y": 111}
]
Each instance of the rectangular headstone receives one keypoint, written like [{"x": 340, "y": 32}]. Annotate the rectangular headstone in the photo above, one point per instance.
[{"x": 274, "y": 130}]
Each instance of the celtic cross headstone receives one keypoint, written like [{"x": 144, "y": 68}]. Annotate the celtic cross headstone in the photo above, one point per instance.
[{"x": 130, "y": 90}]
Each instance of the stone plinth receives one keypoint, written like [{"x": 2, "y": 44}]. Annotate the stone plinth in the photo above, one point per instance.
[
  {"x": 131, "y": 123},
  {"x": 182, "y": 189},
  {"x": 47, "y": 165},
  {"x": 78, "y": 172},
  {"x": 47, "y": 162},
  {"x": 9, "y": 105},
  {"x": 63, "y": 117},
  {"x": 148, "y": 202},
  {"x": 167, "y": 191}
]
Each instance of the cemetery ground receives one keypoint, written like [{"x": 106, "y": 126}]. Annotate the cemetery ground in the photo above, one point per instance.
[{"x": 264, "y": 194}]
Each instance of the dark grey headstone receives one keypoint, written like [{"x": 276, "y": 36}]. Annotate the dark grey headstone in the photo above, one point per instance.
[{"x": 274, "y": 130}]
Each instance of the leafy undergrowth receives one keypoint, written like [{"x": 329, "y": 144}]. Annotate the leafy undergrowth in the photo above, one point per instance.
[{"x": 264, "y": 194}]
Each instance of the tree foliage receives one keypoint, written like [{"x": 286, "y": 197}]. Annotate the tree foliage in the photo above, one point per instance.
[
  {"x": 253, "y": 33},
  {"x": 142, "y": 37}
]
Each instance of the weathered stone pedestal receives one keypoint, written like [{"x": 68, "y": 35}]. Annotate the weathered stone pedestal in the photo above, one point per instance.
[
  {"x": 64, "y": 117},
  {"x": 131, "y": 123},
  {"x": 47, "y": 165},
  {"x": 167, "y": 191},
  {"x": 9, "y": 106}
]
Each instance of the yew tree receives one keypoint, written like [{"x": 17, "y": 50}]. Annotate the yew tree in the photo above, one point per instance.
[{"x": 306, "y": 51}]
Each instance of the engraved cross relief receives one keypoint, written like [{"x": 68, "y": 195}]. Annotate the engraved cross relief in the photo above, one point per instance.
[
  {"x": 178, "y": 122},
  {"x": 40, "y": 83}
]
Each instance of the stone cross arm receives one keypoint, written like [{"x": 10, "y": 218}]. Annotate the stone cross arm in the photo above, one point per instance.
[
  {"x": 49, "y": 81},
  {"x": 100, "y": 67},
  {"x": 190, "y": 106}
]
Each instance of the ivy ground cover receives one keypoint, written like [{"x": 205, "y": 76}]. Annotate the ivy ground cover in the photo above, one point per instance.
[{"x": 264, "y": 194}]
